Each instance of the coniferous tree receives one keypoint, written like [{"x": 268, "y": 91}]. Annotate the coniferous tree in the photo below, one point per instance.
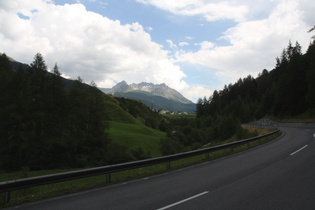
[
  {"x": 200, "y": 109},
  {"x": 56, "y": 70},
  {"x": 311, "y": 77}
]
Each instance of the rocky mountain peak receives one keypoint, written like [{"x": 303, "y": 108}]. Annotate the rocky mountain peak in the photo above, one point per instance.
[
  {"x": 155, "y": 89},
  {"x": 120, "y": 87}
]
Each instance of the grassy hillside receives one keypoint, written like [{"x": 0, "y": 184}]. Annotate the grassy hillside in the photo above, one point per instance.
[
  {"x": 116, "y": 113},
  {"x": 134, "y": 136},
  {"x": 132, "y": 124}
]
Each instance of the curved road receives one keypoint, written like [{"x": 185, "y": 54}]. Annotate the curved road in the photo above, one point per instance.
[{"x": 277, "y": 175}]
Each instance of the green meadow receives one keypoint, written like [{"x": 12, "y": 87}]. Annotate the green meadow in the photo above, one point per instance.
[{"x": 134, "y": 136}]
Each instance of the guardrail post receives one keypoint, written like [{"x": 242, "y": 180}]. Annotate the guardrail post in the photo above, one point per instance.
[
  {"x": 168, "y": 164},
  {"x": 207, "y": 156},
  {"x": 7, "y": 197},
  {"x": 108, "y": 177}
]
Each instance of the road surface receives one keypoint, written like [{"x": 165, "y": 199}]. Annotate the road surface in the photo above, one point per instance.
[{"x": 277, "y": 175}]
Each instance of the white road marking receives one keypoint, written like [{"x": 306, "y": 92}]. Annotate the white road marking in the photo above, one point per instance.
[
  {"x": 182, "y": 201},
  {"x": 298, "y": 150}
]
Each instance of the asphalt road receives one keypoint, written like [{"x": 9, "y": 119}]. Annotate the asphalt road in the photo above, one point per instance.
[{"x": 278, "y": 175}]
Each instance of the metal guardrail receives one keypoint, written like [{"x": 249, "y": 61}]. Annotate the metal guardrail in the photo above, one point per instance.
[{"x": 8, "y": 186}]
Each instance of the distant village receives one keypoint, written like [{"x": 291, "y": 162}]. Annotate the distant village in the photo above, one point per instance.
[{"x": 162, "y": 111}]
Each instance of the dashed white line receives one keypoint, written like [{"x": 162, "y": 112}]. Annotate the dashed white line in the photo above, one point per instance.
[
  {"x": 298, "y": 150},
  {"x": 182, "y": 201}
]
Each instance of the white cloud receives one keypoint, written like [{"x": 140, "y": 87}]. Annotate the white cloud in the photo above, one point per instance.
[
  {"x": 171, "y": 44},
  {"x": 84, "y": 44},
  {"x": 206, "y": 45},
  {"x": 149, "y": 28},
  {"x": 253, "y": 45},
  {"x": 182, "y": 44},
  {"x": 210, "y": 10},
  {"x": 308, "y": 8},
  {"x": 194, "y": 92}
]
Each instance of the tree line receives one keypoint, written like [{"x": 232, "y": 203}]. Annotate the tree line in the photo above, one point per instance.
[
  {"x": 44, "y": 125},
  {"x": 286, "y": 91}
]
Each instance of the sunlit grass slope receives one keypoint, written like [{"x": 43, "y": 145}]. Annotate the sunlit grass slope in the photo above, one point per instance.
[{"x": 134, "y": 136}]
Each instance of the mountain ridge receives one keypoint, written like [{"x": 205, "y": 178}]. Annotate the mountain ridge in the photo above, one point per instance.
[
  {"x": 158, "y": 96},
  {"x": 156, "y": 89}
]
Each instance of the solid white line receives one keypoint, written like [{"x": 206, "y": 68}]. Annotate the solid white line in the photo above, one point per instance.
[
  {"x": 182, "y": 201},
  {"x": 298, "y": 150}
]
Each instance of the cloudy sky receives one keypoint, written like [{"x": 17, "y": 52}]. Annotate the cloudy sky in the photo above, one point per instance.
[{"x": 193, "y": 46}]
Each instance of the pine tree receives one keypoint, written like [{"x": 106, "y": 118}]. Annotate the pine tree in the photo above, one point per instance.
[
  {"x": 200, "y": 109},
  {"x": 56, "y": 70},
  {"x": 311, "y": 78}
]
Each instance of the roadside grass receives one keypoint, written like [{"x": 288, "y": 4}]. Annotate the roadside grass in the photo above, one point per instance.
[
  {"x": 134, "y": 136},
  {"x": 260, "y": 131},
  {"x": 58, "y": 189}
]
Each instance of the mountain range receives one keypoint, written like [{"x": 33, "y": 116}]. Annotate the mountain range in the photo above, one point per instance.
[{"x": 157, "y": 96}]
